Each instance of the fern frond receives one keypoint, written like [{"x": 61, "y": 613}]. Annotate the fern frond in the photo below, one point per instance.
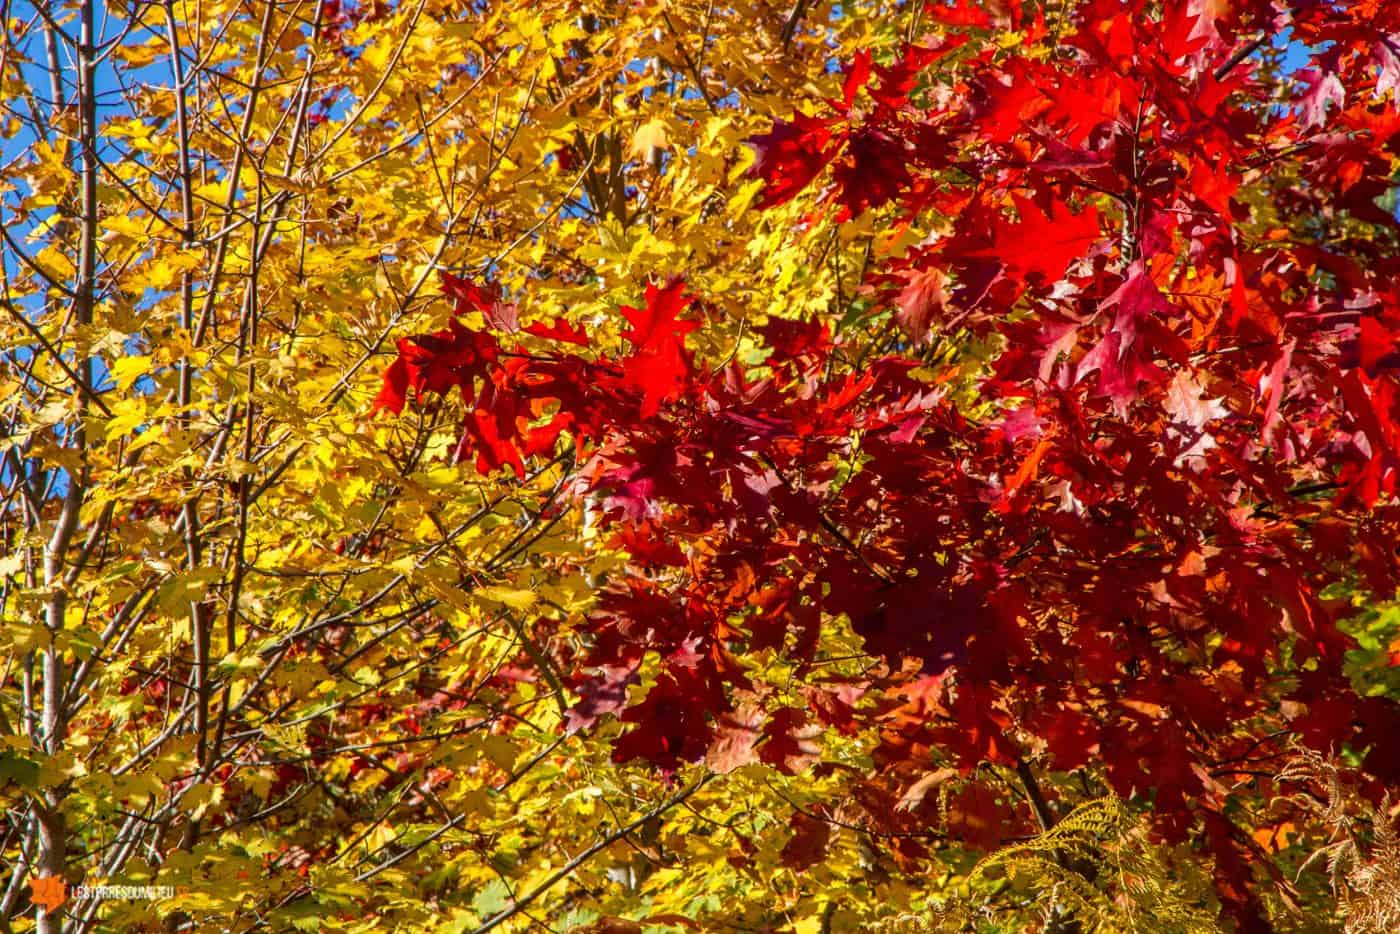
[{"x": 1098, "y": 866}]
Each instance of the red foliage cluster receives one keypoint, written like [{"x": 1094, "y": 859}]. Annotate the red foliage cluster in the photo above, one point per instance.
[{"x": 1191, "y": 430}]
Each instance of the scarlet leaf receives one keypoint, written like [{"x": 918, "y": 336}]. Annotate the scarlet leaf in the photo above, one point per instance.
[
  {"x": 660, "y": 364},
  {"x": 1039, "y": 243},
  {"x": 807, "y": 845},
  {"x": 790, "y": 155}
]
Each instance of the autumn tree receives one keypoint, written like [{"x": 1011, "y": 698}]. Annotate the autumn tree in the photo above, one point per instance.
[
  {"x": 1088, "y": 488},
  {"x": 261, "y": 646}
]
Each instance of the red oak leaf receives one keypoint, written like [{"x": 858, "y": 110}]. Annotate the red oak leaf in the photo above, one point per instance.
[
  {"x": 807, "y": 845},
  {"x": 558, "y": 330},
  {"x": 660, "y": 364},
  {"x": 790, "y": 155},
  {"x": 1041, "y": 244}
]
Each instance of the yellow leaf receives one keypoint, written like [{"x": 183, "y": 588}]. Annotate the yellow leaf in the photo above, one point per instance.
[
  {"x": 650, "y": 136},
  {"x": 515, "y": 599},
  {"x": 124, "y": 226}
]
